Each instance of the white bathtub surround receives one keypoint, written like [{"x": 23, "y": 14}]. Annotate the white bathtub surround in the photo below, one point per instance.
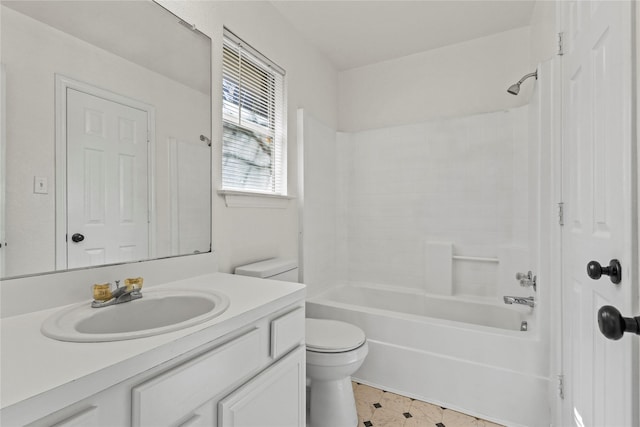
[
  {"x": 404, "y": 194},
  {"x": 461, "y": 180},
  {"x": 480, "y": 364},
  {"x": 439, "y": 268},
  {"x": 513, "y": 259}
]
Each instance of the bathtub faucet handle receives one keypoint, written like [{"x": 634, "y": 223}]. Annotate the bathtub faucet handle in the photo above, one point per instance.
[{"x": 527, "y": 279}]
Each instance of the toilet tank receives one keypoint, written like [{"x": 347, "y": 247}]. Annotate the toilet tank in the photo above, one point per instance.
[{"x": 274, "y": 268}]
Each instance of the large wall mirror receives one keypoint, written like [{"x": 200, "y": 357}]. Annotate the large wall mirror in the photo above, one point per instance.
[{"x": 106, "y": 154}]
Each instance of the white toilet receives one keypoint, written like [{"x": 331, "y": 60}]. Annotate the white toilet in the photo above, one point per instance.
[{"x": 335, "y": 350}]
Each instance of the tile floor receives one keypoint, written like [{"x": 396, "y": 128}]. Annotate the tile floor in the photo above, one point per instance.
[{"x": 377, "y": 408}]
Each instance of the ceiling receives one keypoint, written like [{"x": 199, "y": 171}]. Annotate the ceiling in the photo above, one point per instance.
[
  {"x": 351, "y": 33},
  {"x": 357, "y": 33}
]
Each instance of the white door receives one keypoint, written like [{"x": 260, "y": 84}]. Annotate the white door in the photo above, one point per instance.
[
  {"x": 107, "y": 188},
  {"x": 598, "y": 195}
]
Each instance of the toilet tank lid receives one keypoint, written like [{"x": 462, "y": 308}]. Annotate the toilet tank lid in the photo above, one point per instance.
[{"x": 267, "y": 268}]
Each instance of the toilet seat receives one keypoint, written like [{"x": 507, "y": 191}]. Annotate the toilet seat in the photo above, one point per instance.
[{"x": 332, "y": 336}]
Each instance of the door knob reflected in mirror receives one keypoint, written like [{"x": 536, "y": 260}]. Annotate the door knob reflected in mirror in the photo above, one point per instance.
[
  {"x": 614, "y": 270},
  {"x": 613, "y": 325},
  {"x": 77, "y": 238}
]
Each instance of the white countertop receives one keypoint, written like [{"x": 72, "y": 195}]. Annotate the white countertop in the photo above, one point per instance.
[{"x": 32, "y": 364}]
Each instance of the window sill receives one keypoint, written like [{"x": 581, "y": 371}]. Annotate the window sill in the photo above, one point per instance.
[{"x": 245, "y": 199}]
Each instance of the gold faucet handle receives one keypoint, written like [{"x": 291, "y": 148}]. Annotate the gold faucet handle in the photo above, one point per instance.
[
  {"x": 102, "y": 292},
  {"x": 133, "y": 283}
]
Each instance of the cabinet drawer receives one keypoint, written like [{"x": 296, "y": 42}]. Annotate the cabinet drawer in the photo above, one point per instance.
[
  {"x": 170, "y": 396},
  {"x": 287, "y": 332}
]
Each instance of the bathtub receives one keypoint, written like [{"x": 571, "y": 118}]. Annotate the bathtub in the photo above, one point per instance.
[{"x": 457, "y": 353}]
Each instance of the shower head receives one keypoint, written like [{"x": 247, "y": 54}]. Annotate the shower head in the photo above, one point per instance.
[{"x": 514, "y": 89}]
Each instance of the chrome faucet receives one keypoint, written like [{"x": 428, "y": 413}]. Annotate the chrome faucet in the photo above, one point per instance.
[
  {"x": 119, "y": 296},
  {"x": 530, "y": 301},
  {"x": 527, "y": 279}
]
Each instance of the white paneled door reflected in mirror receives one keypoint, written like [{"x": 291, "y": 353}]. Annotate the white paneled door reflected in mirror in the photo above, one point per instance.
[{"x": 104, "y": 136}]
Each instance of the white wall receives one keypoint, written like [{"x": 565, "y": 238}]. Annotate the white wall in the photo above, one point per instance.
[
  {"x": 458, "y": 80},
  {"x": 243, "y": 235},
  {"x": 544, "y": 42}
]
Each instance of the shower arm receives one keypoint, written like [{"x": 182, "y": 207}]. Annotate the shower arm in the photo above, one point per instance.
[{"x": 534, "y": 74}]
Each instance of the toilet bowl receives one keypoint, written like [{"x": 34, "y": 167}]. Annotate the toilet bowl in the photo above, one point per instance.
[{"x": 335, "y": 350}]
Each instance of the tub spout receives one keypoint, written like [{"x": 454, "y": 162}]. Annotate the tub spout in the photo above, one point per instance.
[{"x": 530, "y": 301}]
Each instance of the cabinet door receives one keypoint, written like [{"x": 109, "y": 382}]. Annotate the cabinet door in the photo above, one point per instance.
[
  {"x": 169, "y": 397},
  {"x": 275, "y": 398}
]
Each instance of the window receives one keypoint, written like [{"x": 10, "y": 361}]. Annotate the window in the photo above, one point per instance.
[{"x": 253, "y": 108}]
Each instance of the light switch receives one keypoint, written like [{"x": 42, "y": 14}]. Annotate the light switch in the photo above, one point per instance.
[{"x": 40, "y": 185}]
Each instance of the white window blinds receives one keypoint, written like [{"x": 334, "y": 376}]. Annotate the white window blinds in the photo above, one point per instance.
[{"x": 253, "y": 109}]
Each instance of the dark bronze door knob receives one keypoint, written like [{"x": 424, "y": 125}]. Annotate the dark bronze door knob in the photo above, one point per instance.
[
  {"x": 614, "y": 270},
  {"x": 613, "y": 325}
]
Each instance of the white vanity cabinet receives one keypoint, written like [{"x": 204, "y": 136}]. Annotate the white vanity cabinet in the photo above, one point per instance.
[{"x": 251, "y": 376}]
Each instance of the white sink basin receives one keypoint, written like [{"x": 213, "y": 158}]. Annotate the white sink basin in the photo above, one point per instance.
[{"x": 157, "y": 312}]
